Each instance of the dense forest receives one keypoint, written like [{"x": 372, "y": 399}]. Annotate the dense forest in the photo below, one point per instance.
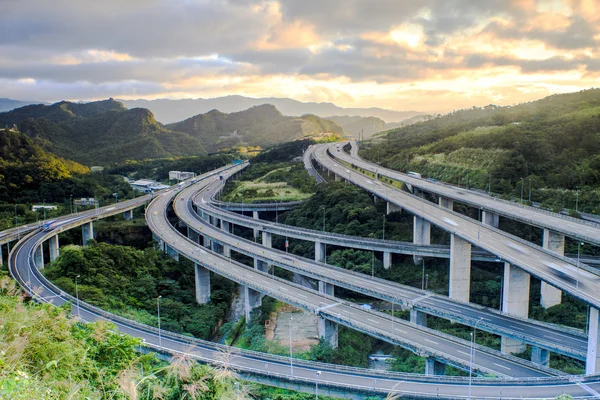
[{"x": 549, "y": 145}]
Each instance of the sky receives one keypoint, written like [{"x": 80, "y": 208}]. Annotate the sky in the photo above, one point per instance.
[{"x": 424, "y": 55}]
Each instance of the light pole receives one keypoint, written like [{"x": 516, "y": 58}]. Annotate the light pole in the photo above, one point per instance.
[
  {"x": 323, "y": 208},
  {"x": 579, "y": 244},
  {"x": 529, "y": 199},
  {"x": 116, "y": 197},
  {"x": 71, "y": 203},
  {"x": 237, "y": 387},
  {"x": 372, "y": 263},
  {"x": 577, "y": 200},
  {"x": 426, "y": 280},
  {"x": 77, "y": 296},
  {"x": 317, "y": 374},
  {"x": 291, "y": 359},
  {"x": 158, "y": 307},
  {"x": 17, "y": 223},
  {"x": 472, "y": 354},
  {"x": 383, "y": 231},
  {"x": 423, "y": 275},
  {"x": 522, "y": 190}
]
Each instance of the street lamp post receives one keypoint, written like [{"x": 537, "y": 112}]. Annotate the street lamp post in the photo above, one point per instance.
[
  {"x": 577, "y": 200},
  {"x": 317, "y": 374},
  {"x": 158, "y": 309},
  {"x": 77, "y": 296},
  {"x": 372, "y": 263},
  {"x": 472, "y": 354},
  {"x": 383, "y": 231},
  {"x": 579, "y": 244},
  {"x": 423, "y": 275},
  {"x": 71, "y": 203},
  {"x": 529, "y": 199},
  {"x": 522, "y": 190},
  {"x": 17, "y": 223},
  {"x": 291, "y": 359}
]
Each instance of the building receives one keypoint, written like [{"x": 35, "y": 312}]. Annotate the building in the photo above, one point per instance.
[
  {"x": 97, "y": 168},
  {"x": 85, "y": 201},
  {"x": 180, "y": 175},
  {"x": 147, "y": 186},
  {"x": 42, "y": 207}
]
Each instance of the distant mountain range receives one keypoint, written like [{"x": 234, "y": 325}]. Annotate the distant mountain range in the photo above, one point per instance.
[
  {"x": 366, "y": 127},
  {"x": 9, "y": 104},
  {"x": 105, "y": 132},
  {"x": 169, "y": 111}
]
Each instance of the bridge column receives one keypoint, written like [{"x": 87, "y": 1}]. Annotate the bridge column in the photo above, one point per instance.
[
  {"x": 160, "y": 244},
  {"x": 128, "y": 215},
  {"x": 1, "y": 256},
  {"x": 515, "y": 301},
  {"x": 540, "y": 356},
  {"x": 171, "y": 252},
  {"x": 387, "y": 260},
  {"x": 193, "y": 235},
  {"x": 320, "y": 252},
  {"x": 434, "y": 367},
  {"x": 338, "y": 178},
  {"x": 421, "y": 234},
  {"x": 489, "y": 218},
  {"x": 326, "y": 288},
  {"x": 54, "y": 245},
  {"x": 267, "y": 239},
  {"x": 592, "y": 362},
  {"x": 202, "y": 280},
  {"x": 328, "y": 330},
  {"x": 225, "y": 226},
  {"x": 391, "y": 207},
  {"x": 87, "y": 232},
  {"x": 555, "y": 242},
  {"x": 446, "y": 203},
  {"x": 39, "y": 256},
  {"x": 460, "y": 269},
  {"x": 255, "y": 230},
  {"x": 252, "y": 300},
  {"x": 418, "y": 317}
]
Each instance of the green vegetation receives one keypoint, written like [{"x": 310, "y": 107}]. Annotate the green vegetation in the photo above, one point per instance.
[
  {"x": 258, "y": 126},
  {"x": 128, "y": 282},
  {"x": 101, "y": 132},
  {"x": 553, "y": 143},
  {"x": 46, "y": 355}
]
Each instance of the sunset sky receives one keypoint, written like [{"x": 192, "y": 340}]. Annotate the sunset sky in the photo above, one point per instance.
[{"x": 424, "y": 55}]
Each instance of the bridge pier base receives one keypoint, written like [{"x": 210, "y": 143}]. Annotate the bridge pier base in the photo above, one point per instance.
[
  {"x": 252, "y": 300},
  {"x": 515, "y": 301},
  {"x": 38, "y": 256},
  {"x": 87, "y": 232},
  {"x": 460, "y": 269},
  {"x": 540, "y": 356},
  {"x": 391, "y": 207},
  {"x": 320, "y": 252},
  {"x": 328, "y": 330},
  {"x": 171, "y": 252},
  {"x": 489, "y": 218},
  {"x": 326, "y": 288},
  {"x": 553, "y": 241},
  {"x": 128, "y": 215},
  {"x": 446, "y": 203},
  {"x": 434, "y": 367},
  {"x": 421, "y": 234},
  {"x": 255, "y": 215},
  {"x": 418, "y": 317},
  {"x": 202, "y": 280},
  {"x": 54, "y": 247},
  {"x": 387, "y": 260}
]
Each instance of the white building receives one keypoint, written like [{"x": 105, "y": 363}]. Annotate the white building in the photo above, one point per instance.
[
  {"x": 85, "y": 201},
  {"x": 180, "y": 175},
  {"x": 42, "y": 207},
  {"x": 147, "y": 186}
]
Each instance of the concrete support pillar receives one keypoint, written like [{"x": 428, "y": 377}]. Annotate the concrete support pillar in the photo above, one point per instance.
[
  {"x": 160, "y": 244},
  {"x": 252, "y": 300},
  {"x": 320, "y": 252},
  {"x": 328, "y": 330},
  {"x": 193, "y": 235},
  {"x": 216, "y": 247},
  {"x": 555, "y": 242},
  {"x": 171, "y": 252},
  {"x": 337, "y": 178},
  {"x": 227, "y": 251},
  {"x": 375, "y": 199},
  {"x": 255, "y": 230},
  {"x": 540, "y": 356},
  {"x": 1, "y": 256},
  {"x": 387, "y": 260},
  {"x": 421, "y": 234},
  {"x": 446, "y": 202},
  {"x": 54, "y": 247},
  {"x": 202, "y": 280},
  {"x": 418, "y": 317},
  {"x": 326, "y": 288},
  {"x": 225, "y": 226},
  {"x": 592, "y": 361},
  {"x": 489, "y": 218},
  {"x": 39, "y": 257},
  {"x": 515, "y": 301},
  {"x": 128, "y": 215},
  {"x": 206, "y": 242},
  {"x": 267, "y": 239},
  {"x": 460, "y": 269},
  {"x": 87, "y": 232},
  {"x": 261, "y": 265},
  {"x": 302, "y": 280},
  {"x": 391, "y": 207},
  {"x": 434, "y": 367}
]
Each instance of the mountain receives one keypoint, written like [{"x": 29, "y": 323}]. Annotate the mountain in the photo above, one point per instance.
[
  {"x": 366, "y": 127},
  {"x": 10, "y": 104},
  {"x": 261, "y": 125},
  {"x": 551, "y": 143},
  {"x": 169, "y": 111},
  {"x": 25, "y": 166},
  {"x": 100, "y": 132}
]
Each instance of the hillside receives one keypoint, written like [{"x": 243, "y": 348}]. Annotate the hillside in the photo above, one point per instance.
[
  {"x": 101, "y": 132},
  {"x": 554, "y": 141},
  {"x": 170, "y": 111},
  {"x": 10, "y": 104},
  {"x": 261, "y": 126},
  {"x": 366, "y": 127}
]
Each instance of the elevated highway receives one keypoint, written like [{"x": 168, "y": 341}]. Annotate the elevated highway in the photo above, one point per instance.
[{"x": 349, "y": 382}]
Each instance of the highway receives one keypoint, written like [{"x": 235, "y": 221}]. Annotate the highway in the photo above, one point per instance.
[
  {"x": 565, "y": 341},
  {"x": 414, "y": 337},
  {"x": 572, "y": 227},
  {"x": 556, "y": 270},
  {"x": 278, "y": 368}
]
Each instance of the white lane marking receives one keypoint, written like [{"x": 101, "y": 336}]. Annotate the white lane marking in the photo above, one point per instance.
[
  {"x": 449, "y": 221},
  {"x": 463, "y": 352},
  {"x": 430, "y": 341},
  {"x": 501, "y": 366},
  {"x": 400, "y": 330},
  {"x": 375, "y": 322},
  {"x": 282, "y": 288}
]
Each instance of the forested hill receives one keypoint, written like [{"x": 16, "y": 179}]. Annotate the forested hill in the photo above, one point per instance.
[
  {"x": 554, "y": 141},
  {"x": 101, "y": 132},
  {"x": 261, "y": 126}
]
